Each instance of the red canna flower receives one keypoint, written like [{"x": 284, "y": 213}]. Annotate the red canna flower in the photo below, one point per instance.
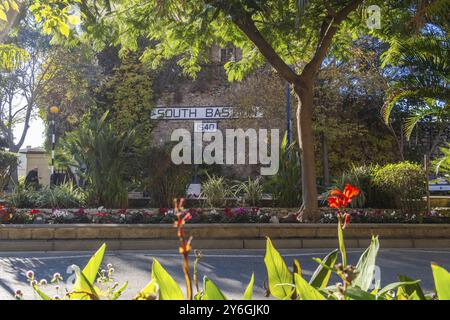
[
  {"x": 351, "y": 191},
  {"x": 339, "y": 199},
  {"x": 335, "y": 202}
]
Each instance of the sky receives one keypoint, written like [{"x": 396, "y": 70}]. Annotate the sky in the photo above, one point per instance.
[{"x": 36, "y": 133}]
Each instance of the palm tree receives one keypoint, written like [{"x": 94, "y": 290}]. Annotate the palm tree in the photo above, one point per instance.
[
  {"x": 420, "y": 68},
  {"x": 443, "y": 163}
]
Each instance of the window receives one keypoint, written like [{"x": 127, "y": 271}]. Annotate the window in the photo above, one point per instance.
[{"x": 227, "y": 54}]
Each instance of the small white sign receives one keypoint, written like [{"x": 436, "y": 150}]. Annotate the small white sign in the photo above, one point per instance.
[
  {"x": 205, "y": 126},
  {"x": 194, "y": 190}
]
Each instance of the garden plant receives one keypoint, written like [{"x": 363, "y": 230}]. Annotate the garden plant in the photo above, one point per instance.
[{"x": 94, "y": 283}]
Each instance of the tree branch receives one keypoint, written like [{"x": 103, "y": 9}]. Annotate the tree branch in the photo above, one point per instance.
[
  {"x": 247, "y": 26},
  {"x": 328, "y": 30}
]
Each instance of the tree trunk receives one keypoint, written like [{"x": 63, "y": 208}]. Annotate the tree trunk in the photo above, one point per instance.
[
  {"x": 309, "y": 210},
  {"x": 14, "y": 176},
  {"x": 326, "y": 170}
]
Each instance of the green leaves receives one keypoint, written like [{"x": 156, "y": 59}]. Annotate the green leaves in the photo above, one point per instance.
[
  {"x": 249, "y": 291},
  {"x": 168, "y": 288},
  {"x": 395, "y": 285},
  {"x": 5, "y": 6},
  {"x": 322, "y": 274},
  {"x": 441, "y": 281},
  {"x": 12, "y": 56},
  {"x": 92, "y": 267},
  {"x": 410, "y": 289},
  {"x": 366, "y": 265},
  {"x": 148, "y": 292},
  {"x": 211, "y": 291},
  {"x": 84, "y": 288},
  {"x": 305, "y": 291},
  {"x": 278, "y": 274}
]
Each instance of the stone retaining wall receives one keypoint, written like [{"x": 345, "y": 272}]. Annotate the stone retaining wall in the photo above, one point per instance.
[{"x": 218, "y": 236}]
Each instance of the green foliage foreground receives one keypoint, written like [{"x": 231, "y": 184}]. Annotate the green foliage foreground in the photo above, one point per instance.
[{"x": 282, "y": 282}]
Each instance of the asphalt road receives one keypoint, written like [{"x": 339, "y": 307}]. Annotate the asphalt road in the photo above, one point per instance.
[{"x": 230, "y": 269}]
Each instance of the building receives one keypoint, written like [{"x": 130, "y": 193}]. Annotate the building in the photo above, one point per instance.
[{"x": 30, "y": 158}]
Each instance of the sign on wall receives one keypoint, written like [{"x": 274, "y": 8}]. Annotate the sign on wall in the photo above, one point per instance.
[
  {"x": 205, "y": 126},
  {"x": 192, "y": 113}
]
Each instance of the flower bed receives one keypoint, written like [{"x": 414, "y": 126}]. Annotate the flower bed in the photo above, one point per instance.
[{"x": 202, "y": 215}]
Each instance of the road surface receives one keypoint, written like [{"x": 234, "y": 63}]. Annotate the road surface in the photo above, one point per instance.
[{"x": 230, "y": 269}]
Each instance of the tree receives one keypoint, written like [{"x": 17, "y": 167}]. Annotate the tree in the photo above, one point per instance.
[
  {"x": 295, "y": 37},
  {"x": 69, "y": 84},
  {"x": 420, "y": 68},
  {"x": 281, "y": 32},
  {"x": 20, "y": 88}
]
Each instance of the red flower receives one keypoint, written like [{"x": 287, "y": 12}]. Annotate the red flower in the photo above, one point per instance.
[
  {"x": 101, "y": 214},
  {"x": 228, "y": 213},
  {"x": 334, "y": 202},
  {"x": 34, "y": 211},
  {"x": 342, "y": 199}
]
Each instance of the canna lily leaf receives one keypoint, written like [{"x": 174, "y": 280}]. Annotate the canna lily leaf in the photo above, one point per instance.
[
  {"x": 41, "y": 294},
  {"x": 297, "y": 267},
  {"x": 410, "y": 289},
  {"x": 149, "y": 291},
  {"x": 395, "y": 285},
  {"x": 441, "y": 281},
  {"x": 277, "y": 272},
  {"x": 83, "y": 288},
  {"x": 211, "y": 291},
  {"x": 119, "y": 291},
  {"x": 91, "y": 268},
  {"x": 322, "y": 274},
  {"x": 366, "y": 265},
  {"x": 168, "y": 288},
  {"x": 306, "y": 291},
  {"x": 356, "y": 293},
  {"x": 249, "y": 291}
]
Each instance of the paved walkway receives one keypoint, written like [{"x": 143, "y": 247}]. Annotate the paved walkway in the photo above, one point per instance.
[{"x": 230, "y": 269}]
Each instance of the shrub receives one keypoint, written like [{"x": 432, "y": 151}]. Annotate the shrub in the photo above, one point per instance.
[
  {"x": 216, "y": 192},
  {"x": 165, "y": 180},
  {"x": 61, "y": 196},
  {"x": 285, "y": 186},
  {"x": 402, "y": 185},
  {"x": 100, "y": 154},
  {"x": 22, "y": 197},
  {"x": 251, "y": 191},
  {"x": 8, "y": 160},
  {"x": 359, "y": 176}
]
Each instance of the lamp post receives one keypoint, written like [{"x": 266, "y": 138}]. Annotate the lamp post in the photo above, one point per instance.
[{"x": 53, "y": 111}]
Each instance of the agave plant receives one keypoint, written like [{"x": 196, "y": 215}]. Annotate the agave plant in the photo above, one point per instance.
[
  {"x": 251, "y": 191},
  {"x": 98, "y": 152}
]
